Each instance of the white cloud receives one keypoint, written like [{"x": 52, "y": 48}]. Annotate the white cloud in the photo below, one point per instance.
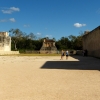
[
  {"x": 12, "y": 19},
  {"x": 10, "y": 10},
  {"x": 79, "y": 25},
  {"x": 49, "y": 36},
  {"x": 7, "y": 20},
  {"x": 3, "y": 20},
  {"x": 14, "y": 9},
  {"x": 26, "y": 25},
  {"x": 38, "y": 34},
  {"x": 83, "y": 24}
]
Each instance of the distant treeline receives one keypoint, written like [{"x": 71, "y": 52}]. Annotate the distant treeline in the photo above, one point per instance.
[{"x": 22, "y": 41}]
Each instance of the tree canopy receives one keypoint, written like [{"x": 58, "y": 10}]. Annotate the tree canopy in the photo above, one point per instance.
[{"x": 23, "y": 41}]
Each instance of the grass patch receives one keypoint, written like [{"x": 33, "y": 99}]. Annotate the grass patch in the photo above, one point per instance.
[{"x": 32, "y": 55}]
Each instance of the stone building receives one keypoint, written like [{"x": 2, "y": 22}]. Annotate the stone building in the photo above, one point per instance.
[
  {"x": 5, "y": 44},
  {"x": 91, "y": 42},
  {"x": 48, "y": 46},
  {"x": 5, "y": 41}
]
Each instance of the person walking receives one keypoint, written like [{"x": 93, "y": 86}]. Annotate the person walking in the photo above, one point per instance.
[
  {"x": 62, "y": 55},
  {"x": 67, "y": 54}
]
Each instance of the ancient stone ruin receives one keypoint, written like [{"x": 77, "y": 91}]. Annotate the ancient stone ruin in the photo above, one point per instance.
[
  {"x": 5, "y": 41},
  {"x": 91, "y": 42},
  {"x": 48, "y": 46},
  {"x": 5, "y": 44}
]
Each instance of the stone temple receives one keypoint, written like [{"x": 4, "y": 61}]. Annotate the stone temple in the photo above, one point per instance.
[
  {"x": 5, "y": 44},
  {"x": 48, "y": 46}
]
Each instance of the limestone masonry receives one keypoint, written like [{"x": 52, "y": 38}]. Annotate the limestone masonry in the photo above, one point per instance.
[
  {"x": 5, "y": 44},
  {"x": 91, "y": 42},
  {"x": 48, "y": 46},
  {"x": 5, "y": 41}
]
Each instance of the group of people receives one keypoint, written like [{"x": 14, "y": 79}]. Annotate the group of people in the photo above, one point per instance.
[{"x": 64, "y": 53}]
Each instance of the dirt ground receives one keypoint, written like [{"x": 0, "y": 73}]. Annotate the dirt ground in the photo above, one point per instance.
[{"x": 49, "y": 78}]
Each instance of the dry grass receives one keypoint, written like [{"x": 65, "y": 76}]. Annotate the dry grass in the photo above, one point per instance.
[{"x": 32, "y": 55}]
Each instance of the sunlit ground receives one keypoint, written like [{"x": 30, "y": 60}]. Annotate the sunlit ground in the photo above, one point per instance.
[{"x": 49, "y": 78}]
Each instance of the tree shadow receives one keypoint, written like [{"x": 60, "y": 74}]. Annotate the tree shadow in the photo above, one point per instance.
[{"x": 84, "y": 63}]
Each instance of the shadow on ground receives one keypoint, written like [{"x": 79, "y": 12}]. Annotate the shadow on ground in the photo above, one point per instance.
[{"x": 84, "y": 63}]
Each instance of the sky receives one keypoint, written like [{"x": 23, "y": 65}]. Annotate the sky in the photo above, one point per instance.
[{"x": 50, "y": 18}]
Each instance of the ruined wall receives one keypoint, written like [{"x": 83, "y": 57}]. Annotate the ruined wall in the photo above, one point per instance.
[
  {"x": 48, "y": 46},
  {"x": 91, "y": 42},
  {"x": 5, "y": 44},
  {"x": 5, "y": 41}
]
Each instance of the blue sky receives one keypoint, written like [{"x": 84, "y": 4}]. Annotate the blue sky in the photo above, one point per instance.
[{"x": 50, "y": 18}]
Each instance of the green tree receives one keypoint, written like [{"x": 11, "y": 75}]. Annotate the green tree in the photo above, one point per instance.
[
  {"x": 63, "y": 43},
  {"x": 16, "y": 35},
  {"x": 78, "y": 42},
  {"x": 72, "y": 39},
  {"x": 31, "y": 36}
]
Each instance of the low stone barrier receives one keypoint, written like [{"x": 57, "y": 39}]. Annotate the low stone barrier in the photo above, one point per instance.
[{"x": 8, "y": 52}]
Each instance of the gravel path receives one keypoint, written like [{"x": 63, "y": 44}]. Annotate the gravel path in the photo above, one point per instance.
[{"x": 49, "y": 78}]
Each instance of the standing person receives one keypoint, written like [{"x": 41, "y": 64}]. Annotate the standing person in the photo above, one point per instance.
[
  {"x": 83, "y": 52},
  {"x": 62, "y": 55},
  {"x": 67, "y": 54}
]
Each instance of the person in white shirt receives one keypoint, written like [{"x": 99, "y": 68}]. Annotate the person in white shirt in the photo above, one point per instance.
[{"x": 67, "y": 54}]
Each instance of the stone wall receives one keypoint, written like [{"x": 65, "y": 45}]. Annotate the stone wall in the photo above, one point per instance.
[
  {"x": 5, "y": 44},
  {"x": 5, "y": 41},
  {"x": 48, "y": 46},
  {"x": 91, "y": 42}
]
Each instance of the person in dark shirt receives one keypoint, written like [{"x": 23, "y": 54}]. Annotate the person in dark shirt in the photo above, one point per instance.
[{"x": 62, "y": 55}]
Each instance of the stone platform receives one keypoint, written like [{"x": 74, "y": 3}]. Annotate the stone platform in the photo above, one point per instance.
[{"x": 8, "y": 52}]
